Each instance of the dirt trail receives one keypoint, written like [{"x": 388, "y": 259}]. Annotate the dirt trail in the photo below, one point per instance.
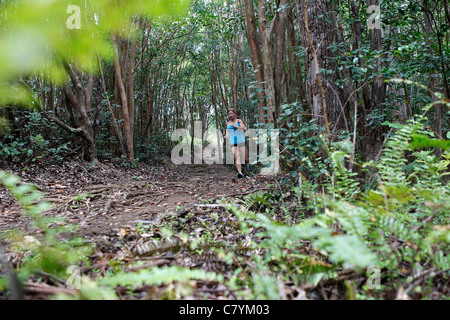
[
  {"x": 118, "y": 209},
  {"x": 130, "y": 202},
  {"x": 103, "y": 200}
]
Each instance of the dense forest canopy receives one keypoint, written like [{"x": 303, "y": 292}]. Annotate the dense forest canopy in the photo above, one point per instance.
[
  {"x": 358, "y": 91},
  {"x": 135, "y": 71}
]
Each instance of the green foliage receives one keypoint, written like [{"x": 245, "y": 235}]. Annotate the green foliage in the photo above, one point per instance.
[
  {"x": 53, "y": 256},
  {"x": 37, "y": 35},
  {"x": 37, "y": 149},
  {"x": 89, "y": 290},
  {"x": 402, "y": 221},
  {"x": 348, "y": 249},
  {"x": 26, "y": 194},
  {"x": 301, "y": 144},
  {"x": 3, "y": 126},
  {"x": 422, "y": 141},
  {"x": 344, "y": 184},
  {"x": 35, "y": 140},
  {"x": 48, "y": 253},
  {"x": 54, "y": 259},
  {"x": 158, "y": 276}
]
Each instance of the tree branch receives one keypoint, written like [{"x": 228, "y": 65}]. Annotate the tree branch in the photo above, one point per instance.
[
  {"x": 79, "y": 131},
  {"x": 76, "y": 80}
]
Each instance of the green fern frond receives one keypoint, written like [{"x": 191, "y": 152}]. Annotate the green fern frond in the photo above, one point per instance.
[{"x": 159, "y": 276}]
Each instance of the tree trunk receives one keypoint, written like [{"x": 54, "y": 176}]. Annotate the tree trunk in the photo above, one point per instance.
[
  {"x": 317, "y": 37},
  {"x": 130, "y": 84},
  {"x": 256, "y": 57},
  {"x": 81, "y": 101},
  {"x": 437, "y": 120},
  {"x": 124, "y": 102},
  {"x": 375, "y": 139},
  {"x": 280, "y": 43},
  {"x": 265, "y": 34},
  {"x": 300, "y": 81}
]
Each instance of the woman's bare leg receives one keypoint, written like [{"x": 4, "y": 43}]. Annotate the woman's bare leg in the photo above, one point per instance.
[
  {"x": 237, "y": 159},
  {"x": 243, "y": 155}
]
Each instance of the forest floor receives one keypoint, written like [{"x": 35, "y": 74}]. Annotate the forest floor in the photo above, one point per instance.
[
  {"x": 123, "y": 211},
  {"x": 116, "y": 208},
  {"x": 103, "y": 199}
]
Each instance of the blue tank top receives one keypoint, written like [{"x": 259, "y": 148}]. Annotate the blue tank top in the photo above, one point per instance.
[{"x": 236, "y": 136}]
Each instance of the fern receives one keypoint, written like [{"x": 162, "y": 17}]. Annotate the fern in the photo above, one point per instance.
[
  {"x": 27, "y": 195},
  {"x": 429, "y": 172},
  {"x": 48, "y": 253},
  {"x": 158, "y": 276},
  {"x": 344, "y": 185},
  {"x": 391, "y": 165},
  {"x": 349, "y": 250},
  {"x": 389, "y": 227},
  {"x": 278, "y": 237}
]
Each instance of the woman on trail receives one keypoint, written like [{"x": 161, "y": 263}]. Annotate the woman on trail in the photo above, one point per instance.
[{"x": 235, "y": 131}]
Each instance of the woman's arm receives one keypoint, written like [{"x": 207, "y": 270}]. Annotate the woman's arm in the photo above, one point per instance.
[
  {"x": 226, "y": 130},
  {"x": 242, "y": 125}
]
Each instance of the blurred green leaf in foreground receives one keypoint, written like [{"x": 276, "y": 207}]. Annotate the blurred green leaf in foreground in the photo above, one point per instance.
[{"x": 36, "y": 36}]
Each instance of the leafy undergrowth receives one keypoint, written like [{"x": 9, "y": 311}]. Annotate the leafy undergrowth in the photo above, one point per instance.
[
  {"x": 242, "y": 247},
  {"x": 280, "y": 240}
]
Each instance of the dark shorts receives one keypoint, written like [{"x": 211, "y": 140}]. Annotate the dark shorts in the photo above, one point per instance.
[{"x": 238, "y": 145}]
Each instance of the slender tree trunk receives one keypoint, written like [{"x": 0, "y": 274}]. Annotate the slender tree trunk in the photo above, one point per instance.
[
  {"x": 256, "y": 57},
  {"x": 124, "y": 102},
  {"x": 317, "y": 38},
  {"x": 375, "y": 138},
  {"x": 300, "y": 81},
  {"x": 280, "y": 49},
  {"x": 265, "y": 33},
  {"x": 434, "y": 82},
  {"x": 130, "y": 84},
  {"x": 378, "y": 94}
]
